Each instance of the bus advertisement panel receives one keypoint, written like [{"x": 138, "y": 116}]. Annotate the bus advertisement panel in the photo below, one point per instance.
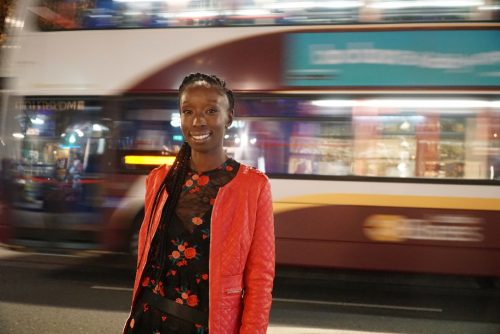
[{"x": 430, "y": 58}]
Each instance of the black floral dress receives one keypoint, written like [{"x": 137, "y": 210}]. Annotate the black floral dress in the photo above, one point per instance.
[{"x": 186, "y": 278}]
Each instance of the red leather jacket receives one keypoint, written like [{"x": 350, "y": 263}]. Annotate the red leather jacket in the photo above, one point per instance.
[{"x": 242, "y": 251}]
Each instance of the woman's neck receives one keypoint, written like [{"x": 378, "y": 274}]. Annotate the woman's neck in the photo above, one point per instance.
[{"x": 204, "y": 162}]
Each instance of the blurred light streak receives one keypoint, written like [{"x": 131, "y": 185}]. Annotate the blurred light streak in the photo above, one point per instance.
[
  {"x": 425, "y": 3},
  {"x": 249, "y": 12},
  {"x": 13, "y": 22},
  {"x": 97, "y": 127},
  {"x": 133, "y": 1},
  {"x": 409, "y": 103},
  {"x": 37, "y": 120},
  {"x": 314, "y": 4},
  {"x": 197, "y": 14},
  {"x": 18, "y": 135},
  {"x": 489, "y": 8},
  {"x": 148, "y": 160}
]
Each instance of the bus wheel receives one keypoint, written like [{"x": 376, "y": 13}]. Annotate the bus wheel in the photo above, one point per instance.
[{"x": 134, "y": 235}]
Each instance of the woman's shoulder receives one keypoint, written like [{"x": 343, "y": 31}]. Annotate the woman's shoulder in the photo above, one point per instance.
[
  {"x": 252, "y": 174},
  {"x": 158, "y": 172}
]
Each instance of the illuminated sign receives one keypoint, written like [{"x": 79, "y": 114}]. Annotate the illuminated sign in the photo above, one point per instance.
[
  {"x": 35, "y": 105},
  {"x": 149, "y": 160},
  {"x": 397, "y": 228}
]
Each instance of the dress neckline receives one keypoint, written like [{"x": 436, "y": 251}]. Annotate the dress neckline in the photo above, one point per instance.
[{"x": 221, "y": 167}]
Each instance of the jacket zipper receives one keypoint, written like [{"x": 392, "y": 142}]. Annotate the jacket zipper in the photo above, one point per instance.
[{"x": 233, "y": 291}]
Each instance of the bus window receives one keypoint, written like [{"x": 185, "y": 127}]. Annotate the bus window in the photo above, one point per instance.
[
  {"x": 146, "y": 133},
  {"x": 302, "y": 136},
  {"x": 57, "y": 169}
]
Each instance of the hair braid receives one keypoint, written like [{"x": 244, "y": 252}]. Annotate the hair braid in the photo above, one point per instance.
[{"x": 173, "y": 184}]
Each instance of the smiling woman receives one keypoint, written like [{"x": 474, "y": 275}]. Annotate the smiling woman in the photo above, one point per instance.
[
  {"x": 205, "y": 253},
  {"x": 206, "y": 112}
]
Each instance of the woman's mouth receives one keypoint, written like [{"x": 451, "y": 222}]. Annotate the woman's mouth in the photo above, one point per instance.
[{"x": 200, "y": 137}]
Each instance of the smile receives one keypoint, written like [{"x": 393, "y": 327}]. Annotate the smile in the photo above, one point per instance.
[{"x": 200, "y": 137}]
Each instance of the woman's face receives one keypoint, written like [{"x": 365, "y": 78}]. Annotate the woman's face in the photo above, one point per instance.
[{"x": 204, "y": 116}]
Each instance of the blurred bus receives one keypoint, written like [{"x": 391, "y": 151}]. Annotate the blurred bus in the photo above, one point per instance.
[{"x": 378, "y": 123}]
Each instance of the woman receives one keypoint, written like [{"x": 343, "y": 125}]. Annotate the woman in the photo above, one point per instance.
[{"x": 206, "y": 245}]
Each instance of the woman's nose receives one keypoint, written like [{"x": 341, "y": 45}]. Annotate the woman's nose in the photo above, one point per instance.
[{"x": 199, "y": 120}]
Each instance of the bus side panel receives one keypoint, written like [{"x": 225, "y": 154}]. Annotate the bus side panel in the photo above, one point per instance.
[{"x": 390, "y": 238}]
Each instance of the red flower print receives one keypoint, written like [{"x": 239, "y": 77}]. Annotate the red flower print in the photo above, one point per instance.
[
  {"x": 203, "y": 180},
  {"x": 145, "y": 281},
  {"x": 195, "y": 177},
  {"x": 190, "y": 252},
  {"x": 192, "y": 300},
  {"x": 145, "y": 307},
  {"x": 184, "y": 295},
  {"x": 181, "y": 248},
  {"x": 204, "y": 276},
  {"x": 173, "y": 272},
  {"x": 197, "y": 221},
  {"x": 163, "y": 318},
  {"x": 189, "y": 183},
  {"x": 204, "y": 236},
  {"x": 229, "y": 168},
  {"x": 179, "y": 301},
  {"x": 176, "y": 254}
]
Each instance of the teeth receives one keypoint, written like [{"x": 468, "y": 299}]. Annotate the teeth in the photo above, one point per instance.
[{"x": 201, "y": 137}]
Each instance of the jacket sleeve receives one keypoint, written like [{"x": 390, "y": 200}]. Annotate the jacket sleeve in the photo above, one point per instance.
[
  {"x": 140, "y": 244},
  {"x": 259, "y": 270}
]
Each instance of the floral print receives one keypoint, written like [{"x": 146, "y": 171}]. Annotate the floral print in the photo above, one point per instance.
[
  {"x": 197, "y": 221},
  {"x": 186, "y": 277},
  {"x": 182, "y": 253},
  {"x": 186, "y": 297}
]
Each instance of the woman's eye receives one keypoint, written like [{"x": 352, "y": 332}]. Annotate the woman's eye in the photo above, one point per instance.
[
  {"x": 186, "y": 112},
  {"x": 212, "y": 110}
]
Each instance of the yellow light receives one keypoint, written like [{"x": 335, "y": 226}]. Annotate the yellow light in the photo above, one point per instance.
[{"x": 149, "y": 160}]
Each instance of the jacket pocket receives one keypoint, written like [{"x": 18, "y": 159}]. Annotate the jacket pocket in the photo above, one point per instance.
[
  {"x": 232, "y": 302},
  {"x": 232, "y": 291}
]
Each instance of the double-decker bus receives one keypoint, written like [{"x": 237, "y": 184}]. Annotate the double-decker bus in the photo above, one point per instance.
[{"x": 378, "y": 123}]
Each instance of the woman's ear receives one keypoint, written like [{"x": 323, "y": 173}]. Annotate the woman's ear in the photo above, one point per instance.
[{"x": 230, "y": 120}]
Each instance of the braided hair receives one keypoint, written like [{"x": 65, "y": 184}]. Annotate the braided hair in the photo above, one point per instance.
[{"x": 176, "y": 175}]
